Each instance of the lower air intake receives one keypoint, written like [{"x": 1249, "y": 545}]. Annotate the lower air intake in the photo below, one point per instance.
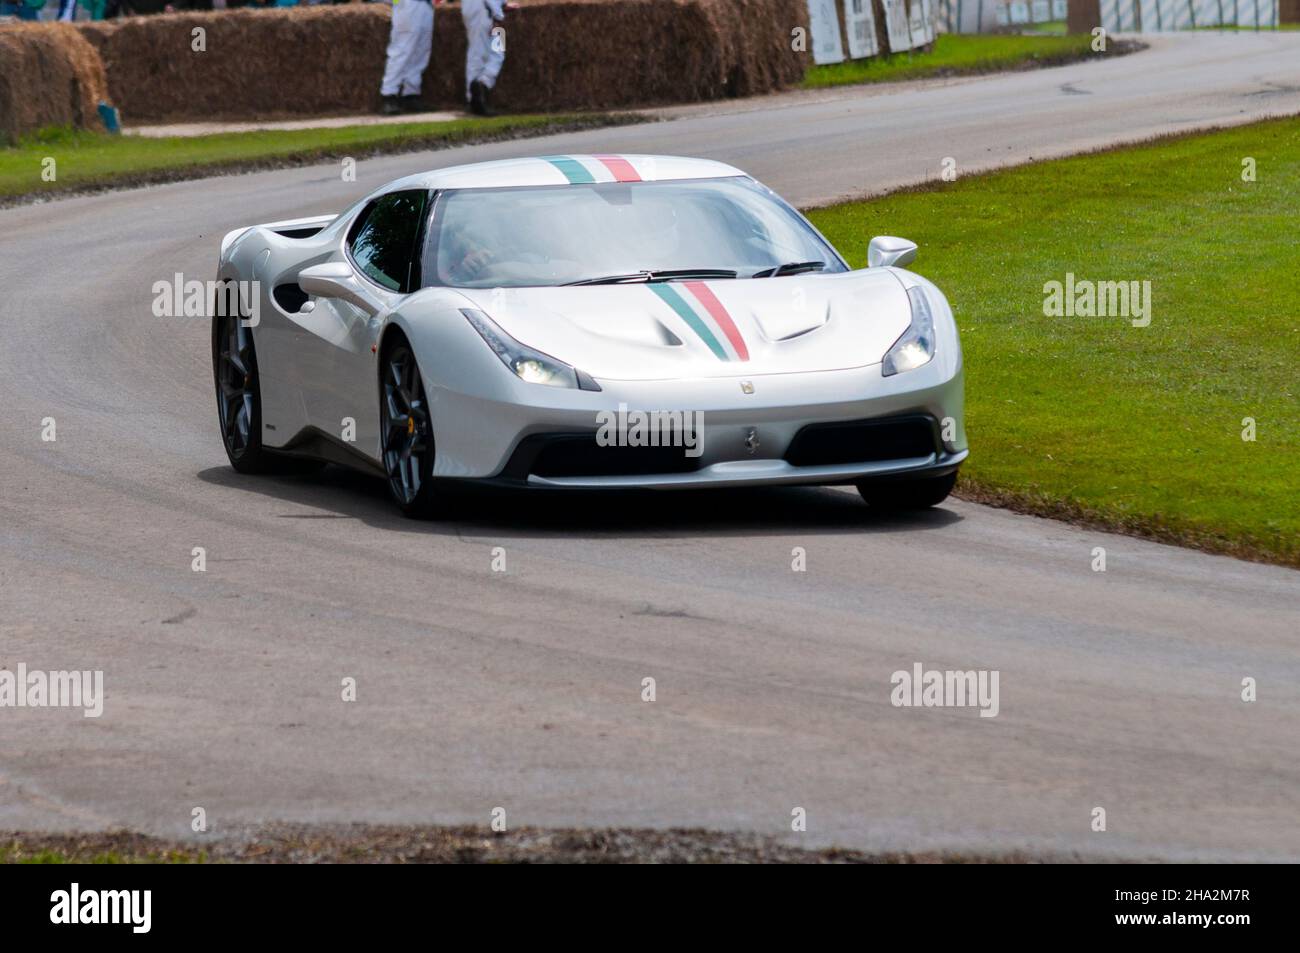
[{"x": 864, "y": 441}]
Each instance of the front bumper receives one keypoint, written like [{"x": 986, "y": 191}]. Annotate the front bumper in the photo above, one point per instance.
[
  {"x": 746, "y": 436},
  {"x": 759, "y": 472}
]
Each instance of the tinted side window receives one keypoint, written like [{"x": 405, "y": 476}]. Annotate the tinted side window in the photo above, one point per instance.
[{"x": 384, "y": 245}]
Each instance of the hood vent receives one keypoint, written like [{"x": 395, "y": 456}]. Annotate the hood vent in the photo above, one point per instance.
[
  {"x": 634, "y": 328},
  {"x": 791, "y": 321}
]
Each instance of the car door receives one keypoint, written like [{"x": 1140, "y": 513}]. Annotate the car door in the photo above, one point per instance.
[{"x": 382, "y": 248}]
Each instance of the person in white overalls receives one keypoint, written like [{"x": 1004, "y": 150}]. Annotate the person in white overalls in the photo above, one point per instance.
[
  {"x": 410, "y": 43},
  {"x": 486, "y": 49}
]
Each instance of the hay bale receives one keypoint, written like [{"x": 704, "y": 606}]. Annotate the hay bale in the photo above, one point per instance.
[
  {"x": 594, "y": 54},
  {"x": 560, "y": 55},
  {"x": 757, "y": 39},
  {"x": 49, "y": 76},
  {"x": 1083, "y": 16},
  {"x": 252, "y": 63}
]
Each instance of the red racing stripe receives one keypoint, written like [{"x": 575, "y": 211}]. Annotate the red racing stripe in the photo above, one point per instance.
[
  {"x": 706, "y": 297},
  {"x": 622, "y": 169}
]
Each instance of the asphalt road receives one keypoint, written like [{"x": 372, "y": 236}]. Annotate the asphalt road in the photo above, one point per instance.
[{"x": 522, "y": 689}]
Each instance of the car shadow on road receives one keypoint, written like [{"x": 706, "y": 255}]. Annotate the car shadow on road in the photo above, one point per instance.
[{"x": 740, "y": 511}]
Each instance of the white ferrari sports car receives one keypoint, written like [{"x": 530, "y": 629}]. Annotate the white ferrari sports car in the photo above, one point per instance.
[{"x": 584, "y": 322}]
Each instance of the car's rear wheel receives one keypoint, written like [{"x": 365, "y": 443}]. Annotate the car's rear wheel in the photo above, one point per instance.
[
  {"x": 406, "y": 431},
  {"x": 239, "y": 401},
  {"x": 916, "y": 494}
]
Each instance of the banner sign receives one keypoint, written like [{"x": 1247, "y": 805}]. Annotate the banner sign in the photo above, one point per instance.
[
  {"x": 922, "y": 23},
  {"x": 1123, "y": 16},
  {"x": 861, "y": 24},
  {"x": 900, "y": 37},
  {"x": 824, "y": 21}
]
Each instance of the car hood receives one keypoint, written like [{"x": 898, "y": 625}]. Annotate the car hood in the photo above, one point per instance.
[{"x": 727, "y": 328}]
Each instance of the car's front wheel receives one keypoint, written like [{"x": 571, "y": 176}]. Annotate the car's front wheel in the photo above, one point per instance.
[
  {"x": 406, "y": 431},
  {"x": 918, "y": 494}
]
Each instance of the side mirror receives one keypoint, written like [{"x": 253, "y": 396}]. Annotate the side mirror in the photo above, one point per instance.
[
  {"x": 335, "y": 279},
  {"x": 886, "y": 250}
]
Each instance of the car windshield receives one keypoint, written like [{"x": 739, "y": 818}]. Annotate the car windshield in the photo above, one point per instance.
[{"x": 614, "y": 232}]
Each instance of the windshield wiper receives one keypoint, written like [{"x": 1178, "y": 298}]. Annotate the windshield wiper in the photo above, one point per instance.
[
  {"x": 691, "y": 273},
  {"x": 647, "y": 276},
  {"x": 789, "y": 268},
  {"x": 613, "y": 279}
]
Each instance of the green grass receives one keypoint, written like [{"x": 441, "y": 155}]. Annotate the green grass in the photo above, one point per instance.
[
  {"x": 955, "y": 53},
  {"x": 1138, "y": 429},
  {"x": 1057, "y": 27},
  {"x": 1251, "y": 29},
  {"x": 16, "y": 853},
  {"x": 89, "y": 160}
]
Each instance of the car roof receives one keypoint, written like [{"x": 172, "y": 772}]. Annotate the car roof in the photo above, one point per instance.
[{"x": 564, "y": 170}]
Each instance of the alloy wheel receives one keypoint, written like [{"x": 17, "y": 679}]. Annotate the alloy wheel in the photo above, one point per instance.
[
  {"x": 236, "y": 384},
  {"x": 405, "y": 423}
]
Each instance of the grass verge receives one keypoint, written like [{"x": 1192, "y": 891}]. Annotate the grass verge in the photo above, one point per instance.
[
  {"x": 1135, "y": 429},
  {"x": 955, "y": 54},
  {"x": 365, "y": 843},
  {"x": 86, "y": 161},
  {"x": 1230, "y": 27},
  {"x": 1056, "y": 27}
]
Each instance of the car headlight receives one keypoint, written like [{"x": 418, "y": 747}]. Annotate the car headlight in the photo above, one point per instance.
[
  {"x": 916, "y": 346},
  {"x": 527, "y": 364}
]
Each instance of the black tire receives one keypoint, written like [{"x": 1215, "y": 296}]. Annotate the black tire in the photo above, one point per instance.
[
  {"x": 239, "y": 401},
  {"x": 918, "y": 494},
  {"x": 406, "y": 433}
]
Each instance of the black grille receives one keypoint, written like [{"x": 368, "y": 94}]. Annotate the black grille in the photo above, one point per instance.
[
  {"x": 863, "y": 441},
  {"x": 578, "y": 455}
]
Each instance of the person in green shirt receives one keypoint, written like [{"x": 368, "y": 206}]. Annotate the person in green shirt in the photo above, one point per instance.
[{"x": 22, "y": 9}]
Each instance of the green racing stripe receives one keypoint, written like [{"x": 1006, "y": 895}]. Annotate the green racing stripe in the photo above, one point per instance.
[
  {"x": 573, "y": 170},
  {"x": 687, "y": 314}
]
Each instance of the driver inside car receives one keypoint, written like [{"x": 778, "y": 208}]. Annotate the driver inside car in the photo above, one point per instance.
[{"x": 468, "y": 258}]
